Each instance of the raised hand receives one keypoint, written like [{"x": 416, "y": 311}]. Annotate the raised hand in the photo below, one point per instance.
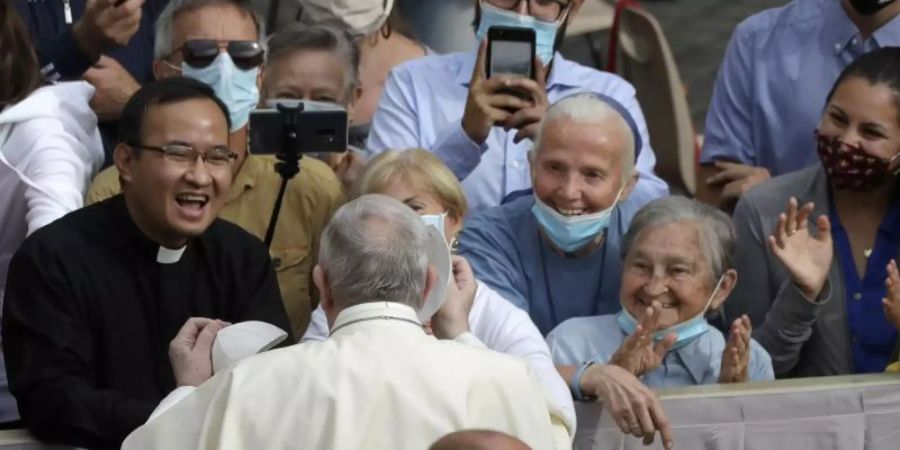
[
  {"x": 806, "y": 257},
  {"x": 485, "y": 106},
  {"x": 891, "y": 301},
  {"x": 106, "y": 25},
  {"x": 639, "y": 353},
  {"x": 736, "y": 356},
  {"x": 526, "y": 120}
]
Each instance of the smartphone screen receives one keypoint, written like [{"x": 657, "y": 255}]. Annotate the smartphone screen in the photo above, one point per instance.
[{"x": 510, "y": 58}]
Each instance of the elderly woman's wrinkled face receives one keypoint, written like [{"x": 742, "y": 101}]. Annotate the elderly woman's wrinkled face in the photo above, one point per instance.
[{"x": 667, "y": 264}]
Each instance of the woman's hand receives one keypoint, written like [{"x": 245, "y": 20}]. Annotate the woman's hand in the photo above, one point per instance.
[
  {"x": 635, "y": 407},
  {"x": 639, "y": 354},
  {"x": 806, "y": 257},
  {"x": 891, "y": 301},
  {"x": 736, "y": 356}
]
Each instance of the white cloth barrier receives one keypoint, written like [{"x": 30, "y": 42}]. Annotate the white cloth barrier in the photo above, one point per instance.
[{"x": 859, "y": 412}]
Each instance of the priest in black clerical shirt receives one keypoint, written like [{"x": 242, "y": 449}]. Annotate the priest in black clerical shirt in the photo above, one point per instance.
[{"x": 93, "y": 299}]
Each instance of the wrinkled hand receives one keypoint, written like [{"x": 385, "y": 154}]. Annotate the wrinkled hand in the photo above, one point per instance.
[
  {"x": 453, "y": 318},
  {"x": 190, "y": 352},
  {"x": 526, "y": 120},
  {"x": 806, "y": 257},
  {"x": 635, "y": 407},
  {"x": 105, "y": 26},
  {"x": 485, "y": 107},
  {"x": 113, "y": 87},
  {"x": 891, "y": 301},
  {"x": 639, "y": 353},
  {"x": 736, "y": 356},
  {"x": 736, "y": 179}
]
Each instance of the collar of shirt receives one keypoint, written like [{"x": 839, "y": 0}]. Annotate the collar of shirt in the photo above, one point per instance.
[
  {"x": 246, "y": 176},
  {"x": 388, "y": 311},
  {"x": 560, "y": 75},
  {"x": 133, "y": 236},
  {"x": 696, "y": 357},
  {"x": 841, "y": 31}
]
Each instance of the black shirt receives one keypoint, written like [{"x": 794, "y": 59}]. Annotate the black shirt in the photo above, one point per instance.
[{"x": 89, "y": 314}]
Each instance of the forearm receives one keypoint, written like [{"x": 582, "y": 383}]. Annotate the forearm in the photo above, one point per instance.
[
  {"x": 789, "y": 325},
  {"x": 62, "y": 58}
]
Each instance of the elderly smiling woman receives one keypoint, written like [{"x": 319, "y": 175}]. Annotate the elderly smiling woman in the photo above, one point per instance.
[{"x": 677, "y": 266}]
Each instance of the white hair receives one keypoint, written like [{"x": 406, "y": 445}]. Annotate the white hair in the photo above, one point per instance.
[
  {"x": 715, "y": 230},
  {"x": 165, "y": 23},
  {"x": 588, "y": 109},
  {"x": 373, "y": 250}
]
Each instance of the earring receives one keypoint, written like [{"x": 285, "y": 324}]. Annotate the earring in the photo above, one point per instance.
[{"x": 454, "y": 245}]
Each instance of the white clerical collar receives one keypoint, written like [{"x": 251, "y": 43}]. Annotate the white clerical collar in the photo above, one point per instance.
[
  {"x": 168, "y": 255},
  {"x": 366, "y": 312}
]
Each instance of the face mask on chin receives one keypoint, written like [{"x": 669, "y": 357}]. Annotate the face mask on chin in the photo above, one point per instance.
[
  {"x": 869, "y": 7},
  {"x": 687, "y": 331},
  {"x": 572, "y": 233}
]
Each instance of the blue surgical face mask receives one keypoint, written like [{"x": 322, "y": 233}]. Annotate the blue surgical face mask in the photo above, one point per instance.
[
  {"x": 544, "y": 32},
  {"x": 570, "y": 233},
  {"x": 235, "y": 87},
  {"x": 436, "y": 220},
  {"x": 687, "y": 331}
]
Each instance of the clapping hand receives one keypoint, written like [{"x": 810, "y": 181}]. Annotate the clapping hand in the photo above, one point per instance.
[
  {"x": 736, "y": 356},
  {"x": 639, "y": 353},
  {"x": 806, "y": 257},
  {"x": 891, "y": 301}
]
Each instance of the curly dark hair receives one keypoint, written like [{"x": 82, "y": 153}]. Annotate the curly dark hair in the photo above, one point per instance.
[{"x": 20, "y": 72}]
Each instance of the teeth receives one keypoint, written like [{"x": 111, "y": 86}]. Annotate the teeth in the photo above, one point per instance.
[{"x": 570, "y": 212}]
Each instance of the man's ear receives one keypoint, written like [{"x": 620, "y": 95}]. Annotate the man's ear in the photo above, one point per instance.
[
  {"x": 729, "y": 281},
  {"x": 321, "y": 282},
  {"x": 124, "y": 158},
  {"x": 431, "y": 279},
  {"x": 355, "y": 95}
]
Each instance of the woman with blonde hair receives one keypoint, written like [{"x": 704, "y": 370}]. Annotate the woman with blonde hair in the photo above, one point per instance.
[{"x": 421, "y": 181}]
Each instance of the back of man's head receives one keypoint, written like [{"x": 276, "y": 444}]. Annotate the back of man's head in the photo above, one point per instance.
[
  {"x": 373, "y": 250},
  {"x": 479, "y": 440}
]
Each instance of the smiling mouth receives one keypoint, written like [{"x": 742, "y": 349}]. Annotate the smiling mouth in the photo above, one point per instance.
[
  {"x": 192, "y": 201},
  {"x": 570, "y": 212}
]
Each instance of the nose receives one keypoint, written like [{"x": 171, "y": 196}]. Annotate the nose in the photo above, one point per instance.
[
  {"x": 850, "y": 136},
  {"x": 522, "y": 7},
  {"x": 655, "y": 286},
  {"x": 198, "y": 173},
  {"x": 570, "y": 190}
]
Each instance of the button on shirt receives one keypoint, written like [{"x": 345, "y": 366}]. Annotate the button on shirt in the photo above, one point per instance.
[
  {"x": 872, "y": 335},
  {"x": 597, "y": 338},
  {"x": 777, "y": 71},
  {"x": 423, "y": 104}
]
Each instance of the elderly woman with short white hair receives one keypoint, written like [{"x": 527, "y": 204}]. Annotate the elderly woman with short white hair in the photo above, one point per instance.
[{"x": 677, "y": 266}]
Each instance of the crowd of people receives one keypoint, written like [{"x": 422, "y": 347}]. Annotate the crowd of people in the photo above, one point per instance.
[{"x": 487, "y": 251}]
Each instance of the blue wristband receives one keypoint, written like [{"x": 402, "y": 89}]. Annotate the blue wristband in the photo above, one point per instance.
[{"x": 575, "y": 382}]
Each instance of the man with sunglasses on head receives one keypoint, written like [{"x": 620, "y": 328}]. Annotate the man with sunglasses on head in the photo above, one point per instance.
[
  {"x": 94, "y": 299},
  {"x": 447, "y": 105},
  {"x": 219, "y": 43}
]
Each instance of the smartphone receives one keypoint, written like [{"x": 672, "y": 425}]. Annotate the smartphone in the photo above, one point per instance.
[
  {"x": 510, "y": 51},
  {"x": 320, "y": 127}
]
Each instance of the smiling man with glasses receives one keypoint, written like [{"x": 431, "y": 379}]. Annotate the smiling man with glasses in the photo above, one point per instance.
[
  {"x": 94, "y": 299},
  {"x": 221, "y": 43},
  {"x": 447, "y": 105}
]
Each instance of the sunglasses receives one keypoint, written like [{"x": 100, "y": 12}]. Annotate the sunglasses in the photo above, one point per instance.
[{"x": 200, "y": 53}]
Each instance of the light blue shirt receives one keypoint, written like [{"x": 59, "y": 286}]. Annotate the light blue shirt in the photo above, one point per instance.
[
  {"x": 771, "y": 88},
  {"x": 597, "y": 338},
  {"x": 506, "y": 251},
  {"x": 423, "y": 103}
]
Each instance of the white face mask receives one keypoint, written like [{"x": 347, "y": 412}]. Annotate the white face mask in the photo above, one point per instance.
[{"x": 362, "y": 17}]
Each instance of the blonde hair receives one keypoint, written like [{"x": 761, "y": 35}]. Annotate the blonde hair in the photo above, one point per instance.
[{"x": 413, "y": 166}]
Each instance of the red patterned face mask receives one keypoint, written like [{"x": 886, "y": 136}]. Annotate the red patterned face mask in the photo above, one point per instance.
[{"x": 850, "y": 167}]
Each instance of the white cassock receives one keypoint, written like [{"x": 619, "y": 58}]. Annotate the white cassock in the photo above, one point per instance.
[{"x": 379, "y": 382}]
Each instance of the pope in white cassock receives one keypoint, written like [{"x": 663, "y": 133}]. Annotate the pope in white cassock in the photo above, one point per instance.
[{"x": 379, "y": 381}]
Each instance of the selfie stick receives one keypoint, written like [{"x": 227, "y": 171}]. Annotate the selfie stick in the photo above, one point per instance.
[{"x": 289, "y": 159}]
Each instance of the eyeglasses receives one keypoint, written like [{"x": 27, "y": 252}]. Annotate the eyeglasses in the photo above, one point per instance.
[
  {"x": 185, "y": 154},
  {"x": 546, "y": 10},
  {"x": 200, "y": 53}
]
